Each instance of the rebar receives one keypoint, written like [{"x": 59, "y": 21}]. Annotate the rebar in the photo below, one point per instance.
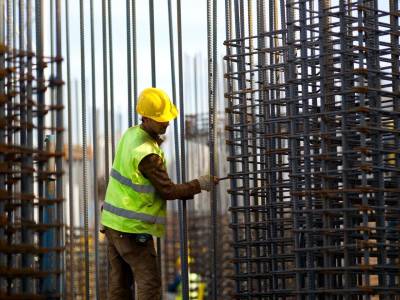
[
  {"x": 94, "y": 141},
  {"x": 111, "y": 78},
  {"x": 59, "y": 122},
  {"x": 152, "y": 44},
  {"x": 71, "y": 265},
  {"x": 182, "y": 203},
  {"x": 134, "y": 54},
  {"x": 84, "y": 149},
  {"x": 129, "y": 60},
  {"x": 212, "y": 80},
  {"x": 31, "y": 229},
  {"x": 105, "y": 89},
  {"x": 313, "y": 133}
]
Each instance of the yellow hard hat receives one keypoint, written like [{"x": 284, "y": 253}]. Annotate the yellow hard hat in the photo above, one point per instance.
[{"x": 155, "y": 104}]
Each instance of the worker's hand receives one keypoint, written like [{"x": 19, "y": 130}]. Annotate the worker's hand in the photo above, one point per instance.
[{"x": 206, "y": 182}]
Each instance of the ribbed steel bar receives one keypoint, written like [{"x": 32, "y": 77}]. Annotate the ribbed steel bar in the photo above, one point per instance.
[
  {"x": 29, "y": 113},
  {"x": 182, "y": 204},
  {"x": 154, "y": 84},
  {"x": 71, "y": 206},
  {"x": 212, "y": 80},
  {"x": 323, "y": 171},
  {"x": 105, "y": 90},
  {"x": 95, "y": 152},
  {"x": 173, "y": 87},
  {"x": 59, "y": 122},
  {"x": 111, "y": 78},
  {"x": 129, "y": 60},
  {"x": 152, "y": 45},
  {"x": 84, "y": 149},
  {"x": 29, "y": 107},
  {"x": 51, "y": 42},
  {"x": 40, "y": 112},
  {"x": 173, "y": 228},
  {"x": 26, "y": 163},
  {"x": 134, "y": 56}
]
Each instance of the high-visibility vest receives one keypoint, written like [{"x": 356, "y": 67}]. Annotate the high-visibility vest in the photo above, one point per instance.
[{"x": 131, "y": 203}]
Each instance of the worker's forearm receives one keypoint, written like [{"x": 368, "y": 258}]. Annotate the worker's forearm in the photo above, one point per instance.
[
  {"x": 153, "y": 169},
  {"x": 182, "y": 191}
]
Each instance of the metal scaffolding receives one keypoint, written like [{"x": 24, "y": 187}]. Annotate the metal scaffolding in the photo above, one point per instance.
[{"x": 314, "y": 132}]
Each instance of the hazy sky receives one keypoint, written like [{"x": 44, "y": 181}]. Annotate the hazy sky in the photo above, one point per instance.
[{"x": 194, "y": 36}]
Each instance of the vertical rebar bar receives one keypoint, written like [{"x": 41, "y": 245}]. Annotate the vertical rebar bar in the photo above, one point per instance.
[
  {"x": 173, "y": 87},
  {"x": 129, "y": 60},
  {"x": 212, "y": 80},
  {"x": 52, "y": 98},
  {"x": 111, "y": 78},
  {"x": 84, "y": 149},
  {"x": 70, "y": 157},
  {"x": 134, "y": 54},
  {"x": 154, "y": 84},
  {"x": 105, "y": 92},
  {"x": 94, "y": 136},
  {"x": 29, "y": 113},
  {"x": 59, "y": 121},
  {"x": 40, "y": 108},
  {"x": 174, "y": 100},
  {"x": 182, "y": 204},
  {"x": 26, "y": 181},
  {"x": 152, "y": 44}
]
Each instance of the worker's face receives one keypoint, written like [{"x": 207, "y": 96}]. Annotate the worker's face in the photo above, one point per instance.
[{"x": 157, "y": 127}]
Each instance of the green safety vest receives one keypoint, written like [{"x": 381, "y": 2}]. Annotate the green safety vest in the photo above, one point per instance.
[{"x": 131, "y": 203}]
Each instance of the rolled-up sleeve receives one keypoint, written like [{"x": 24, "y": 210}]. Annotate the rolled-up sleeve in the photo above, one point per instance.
[{"x": 152, "y": 167}]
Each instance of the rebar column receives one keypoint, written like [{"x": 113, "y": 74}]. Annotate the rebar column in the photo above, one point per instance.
[
  {"x": 312, "y": 200},
  {"x": 84, "y": 150}
]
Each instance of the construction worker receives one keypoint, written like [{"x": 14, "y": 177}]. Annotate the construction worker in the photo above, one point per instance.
[
  {"x": 197, "y": 286},
  {"x": 135, "y": 202}
]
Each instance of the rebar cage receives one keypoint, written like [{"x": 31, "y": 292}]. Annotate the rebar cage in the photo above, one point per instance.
[
  {"x": 31, "y": 135},
  {"x": 313, "y": 109}
]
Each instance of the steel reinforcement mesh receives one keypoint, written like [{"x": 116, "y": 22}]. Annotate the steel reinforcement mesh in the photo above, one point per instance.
[
  {"x": 31, "y": 155},
  {"x": 313, "y": 103}
]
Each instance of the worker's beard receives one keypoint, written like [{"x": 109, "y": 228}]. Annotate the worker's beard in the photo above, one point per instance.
[{"x": 162, "y": 131}]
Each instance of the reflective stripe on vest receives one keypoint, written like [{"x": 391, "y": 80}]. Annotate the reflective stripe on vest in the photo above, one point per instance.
[
  {"x": 126, "y": 181},
  {"x": 133, "y": 215}
]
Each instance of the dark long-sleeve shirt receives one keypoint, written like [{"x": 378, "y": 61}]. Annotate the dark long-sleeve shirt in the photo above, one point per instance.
[{"x": 152, "y": 167}]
